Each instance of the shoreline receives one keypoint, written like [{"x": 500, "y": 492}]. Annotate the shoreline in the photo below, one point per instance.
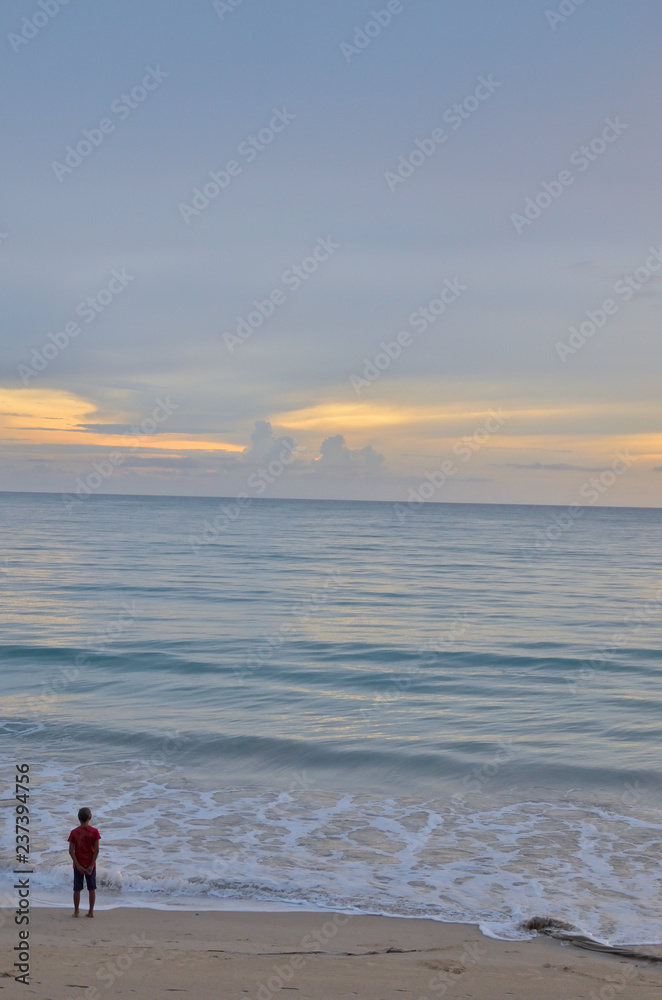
[
  {"x": 319, "y": 954},
  {"x": 185, "y": 904}
]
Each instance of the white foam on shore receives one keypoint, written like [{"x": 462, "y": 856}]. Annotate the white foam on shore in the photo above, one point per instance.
[
  {"x": 185, "y": 905},
  {"x": 480, "y": 862}
]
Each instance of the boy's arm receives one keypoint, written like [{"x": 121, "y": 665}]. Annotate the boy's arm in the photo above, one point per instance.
[
  {"x": 94, "y": 859},
  {"x": 72, "y": 852}
]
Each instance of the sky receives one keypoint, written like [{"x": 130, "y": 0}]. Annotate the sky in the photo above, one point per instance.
[{"x": 401, "y": 251}]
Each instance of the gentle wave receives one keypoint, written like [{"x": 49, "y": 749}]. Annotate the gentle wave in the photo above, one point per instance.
[{"x": 297, "y": 658}]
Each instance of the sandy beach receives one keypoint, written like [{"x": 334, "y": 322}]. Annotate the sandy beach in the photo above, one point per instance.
[{"x": 318, "y": 956}]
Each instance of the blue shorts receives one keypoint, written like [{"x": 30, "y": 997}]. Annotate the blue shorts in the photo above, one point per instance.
[{"x": 90, "y": 879}]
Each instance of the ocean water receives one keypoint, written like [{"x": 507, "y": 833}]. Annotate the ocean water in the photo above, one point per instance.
[{"x": 451, "y": 712}]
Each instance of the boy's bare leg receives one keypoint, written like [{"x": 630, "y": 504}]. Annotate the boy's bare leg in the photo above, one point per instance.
[
  {"x": 76, "y": 903},
  {"x": 93, "y": 897}
]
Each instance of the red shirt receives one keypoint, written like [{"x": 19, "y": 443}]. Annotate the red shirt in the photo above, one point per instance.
[{"x": 84, "y": 839}]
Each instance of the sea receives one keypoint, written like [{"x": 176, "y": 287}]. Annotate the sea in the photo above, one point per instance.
[{"x": 449, "y": 711}]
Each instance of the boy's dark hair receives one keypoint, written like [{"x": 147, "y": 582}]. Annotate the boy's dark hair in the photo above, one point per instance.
[{"x": 84, "y": 814}]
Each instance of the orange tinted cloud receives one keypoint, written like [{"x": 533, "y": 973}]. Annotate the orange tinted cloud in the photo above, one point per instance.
[{"x": 53, "y": 416}]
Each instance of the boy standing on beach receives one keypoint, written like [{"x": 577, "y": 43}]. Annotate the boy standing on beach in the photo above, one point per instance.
[{"x": 84, "y": 850}]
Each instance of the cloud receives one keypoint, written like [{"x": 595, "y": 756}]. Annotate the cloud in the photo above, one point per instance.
[
  {"x": 553, "y": 466},
  {"x": 336, "y": 454},
  {"x": 114, "y": 429},
  {"x": 160, "y": 462},
  {"x": 265, "y": 446},
  {"x": 131, "y": 429}
]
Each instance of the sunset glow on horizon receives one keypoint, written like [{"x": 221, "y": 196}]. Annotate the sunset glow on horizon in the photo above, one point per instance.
[{"x": 354, "y": 261}]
